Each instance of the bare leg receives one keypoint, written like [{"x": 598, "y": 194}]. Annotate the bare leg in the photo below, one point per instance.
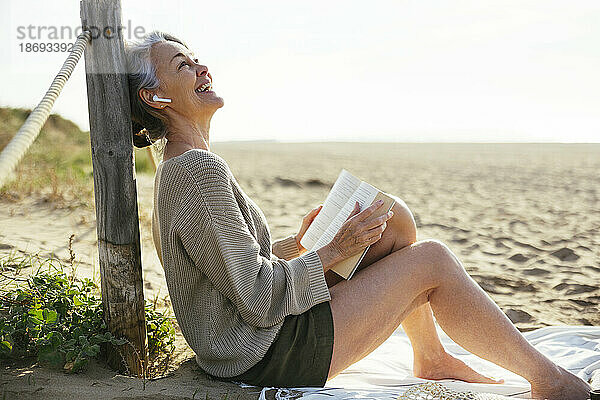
[
  {"x": 431, "y": 361},
  {"x": 369, "y": 307}
]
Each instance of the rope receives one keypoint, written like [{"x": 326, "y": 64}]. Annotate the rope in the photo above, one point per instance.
[{"x": 18, "y": 146}]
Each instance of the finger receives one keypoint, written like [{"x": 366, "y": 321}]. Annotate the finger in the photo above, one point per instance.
[
  {"x": 370, "y": 238},
  {"x": 372, "y": 223},
  {"x": 314, "y": 212},
  {"x": 376, "y": 230},
  {"x": 355, "y": 211},
  {"x": 309, "y": 219},
  {"x": 370, "y": 210}
]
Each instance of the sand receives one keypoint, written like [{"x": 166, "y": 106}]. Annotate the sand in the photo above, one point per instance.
[{"x": 523, "y": 218}]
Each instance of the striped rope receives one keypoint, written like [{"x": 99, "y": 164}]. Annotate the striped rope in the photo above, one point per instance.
[{"x": 18, "y": 146}]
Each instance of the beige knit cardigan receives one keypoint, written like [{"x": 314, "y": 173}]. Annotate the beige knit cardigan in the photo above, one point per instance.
[{"x": 229, "y": 286}]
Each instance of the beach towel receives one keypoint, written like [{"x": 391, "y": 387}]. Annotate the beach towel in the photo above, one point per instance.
[{"x": 387, "y": 372}]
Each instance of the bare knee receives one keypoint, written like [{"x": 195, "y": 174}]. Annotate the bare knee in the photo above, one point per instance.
[
  {"x": 434, "y": 246},
  {"x": 403, "y": 224},
  {"x": 442, "y": 262}
]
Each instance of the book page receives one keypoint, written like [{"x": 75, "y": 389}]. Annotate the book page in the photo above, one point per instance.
[
  {"x": 364, "y": 194},
  {"x": 344, "y": 186}
]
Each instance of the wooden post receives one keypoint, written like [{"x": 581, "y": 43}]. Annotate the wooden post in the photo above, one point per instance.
[{"x": 114, "y": 184}]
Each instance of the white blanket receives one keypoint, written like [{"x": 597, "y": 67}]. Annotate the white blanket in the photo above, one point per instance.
[{"x": 387, "y": 372}]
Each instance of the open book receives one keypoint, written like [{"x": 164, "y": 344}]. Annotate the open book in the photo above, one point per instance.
[{"x": 338, "y": 205}]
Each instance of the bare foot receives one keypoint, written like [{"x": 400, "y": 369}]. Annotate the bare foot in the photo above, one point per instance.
[
  {"x": 445, "y": 366},
  {"x": 566, "y": 387}
]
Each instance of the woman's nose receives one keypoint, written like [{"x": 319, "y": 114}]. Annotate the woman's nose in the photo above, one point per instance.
[{"x": 201, "y": 70}]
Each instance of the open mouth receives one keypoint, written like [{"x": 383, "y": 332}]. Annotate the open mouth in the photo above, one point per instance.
[{"x": 207, "y": 87}]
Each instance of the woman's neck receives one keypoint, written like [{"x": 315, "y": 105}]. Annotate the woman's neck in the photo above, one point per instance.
[{"x": 184, "y": 135}]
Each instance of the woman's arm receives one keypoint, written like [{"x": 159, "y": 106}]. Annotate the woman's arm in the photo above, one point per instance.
[
  {"x": 213, "y": 231},
  {"x": 290, "y": 247}
]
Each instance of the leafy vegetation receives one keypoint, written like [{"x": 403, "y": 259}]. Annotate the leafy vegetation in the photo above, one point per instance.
[
  {"x": 47, "y": 314},
  {"x": 59, "y": 320},
  {"x": 58, "y": 165}
]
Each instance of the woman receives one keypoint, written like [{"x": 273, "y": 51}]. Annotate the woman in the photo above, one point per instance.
[{"x": 273, "y": 314}]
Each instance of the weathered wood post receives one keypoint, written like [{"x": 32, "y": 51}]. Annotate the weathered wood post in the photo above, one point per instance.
[{"x": 114, "y": 183}]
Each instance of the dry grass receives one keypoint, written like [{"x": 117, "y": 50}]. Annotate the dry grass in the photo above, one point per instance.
[{"x": 57, "y": 168}]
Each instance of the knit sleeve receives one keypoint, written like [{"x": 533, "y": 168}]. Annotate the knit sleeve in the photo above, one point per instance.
[
  {"x": 286, "y": 248},
  {"x": 214, "y": 233}
]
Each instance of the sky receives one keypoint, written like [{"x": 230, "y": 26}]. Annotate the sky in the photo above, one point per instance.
[{"x": 401, "y": 71}]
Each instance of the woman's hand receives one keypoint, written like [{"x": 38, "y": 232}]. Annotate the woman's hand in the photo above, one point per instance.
[
  {"x": 306, "y": 221},
  {"x": 358, "y": 232}
]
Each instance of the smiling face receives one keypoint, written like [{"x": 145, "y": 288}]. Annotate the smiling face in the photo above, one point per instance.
[{"x": 183, "y": 80}]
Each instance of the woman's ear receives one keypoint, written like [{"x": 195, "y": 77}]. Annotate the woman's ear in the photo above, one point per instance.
[{"x": 148, "y": 97}]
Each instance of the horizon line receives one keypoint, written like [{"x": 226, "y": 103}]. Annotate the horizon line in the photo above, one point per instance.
[{"x": 392, "y": 142}]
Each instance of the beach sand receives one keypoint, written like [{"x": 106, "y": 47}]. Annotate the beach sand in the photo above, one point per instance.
[{"x": 523, "y": 218}]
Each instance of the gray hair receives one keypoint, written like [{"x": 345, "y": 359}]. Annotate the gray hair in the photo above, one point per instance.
[{"x": 148, "y": 124}]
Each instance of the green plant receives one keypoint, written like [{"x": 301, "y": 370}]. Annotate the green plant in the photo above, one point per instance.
[
  {"x": 159, "y": 330},
  {"x": 59, "y": 320},
  {"x": 58, "y": 165},
  {"x": 143, "y": 164}
]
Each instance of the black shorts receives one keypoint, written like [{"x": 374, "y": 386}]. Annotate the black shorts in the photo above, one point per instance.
[{"x": 300, "y": 355}]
